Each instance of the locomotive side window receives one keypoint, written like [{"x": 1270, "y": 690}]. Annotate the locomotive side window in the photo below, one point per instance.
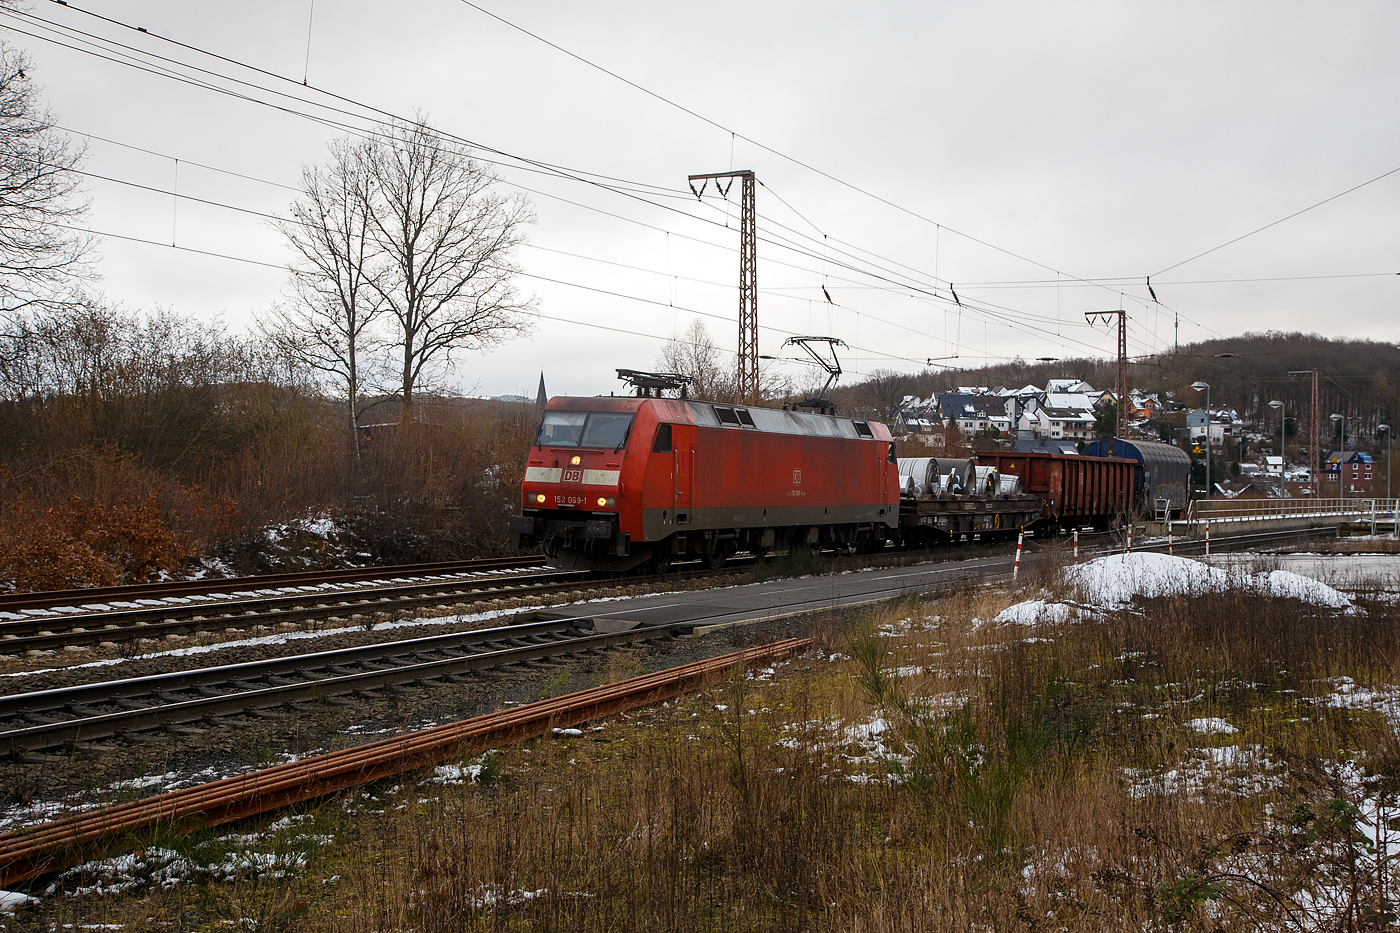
[
  {"x": 745, "y": 417},
  {"x": 560, "y": 429},
  {"x": 662, "y": 444}
]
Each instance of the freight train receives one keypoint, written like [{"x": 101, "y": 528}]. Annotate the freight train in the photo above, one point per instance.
[{"x": 616, "y": 483}]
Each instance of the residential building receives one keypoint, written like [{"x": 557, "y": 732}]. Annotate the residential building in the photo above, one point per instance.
[{"x": 1353, "y": 468}]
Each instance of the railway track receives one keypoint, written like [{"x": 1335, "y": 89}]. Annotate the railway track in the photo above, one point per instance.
[
  {"x": 181, "y": 700},
  {"x": 35, "y": 851},
  {"x": 17, "y": 602},
  {"x": 318, "y": 597},
  {"x": 240, "y": 610}
]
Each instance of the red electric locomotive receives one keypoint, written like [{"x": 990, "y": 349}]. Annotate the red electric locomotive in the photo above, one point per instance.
[{"x": 616, "y": 482}]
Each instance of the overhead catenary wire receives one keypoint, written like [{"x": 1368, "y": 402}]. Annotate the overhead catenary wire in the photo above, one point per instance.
[
  {"x": 522, "y": 163},
  {"x": 353, "y": 129}
]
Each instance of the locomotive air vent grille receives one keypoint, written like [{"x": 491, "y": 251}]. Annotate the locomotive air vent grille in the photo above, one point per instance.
[
  {"x": 726, "y": 416},
  {"x": 745, "y": 417},
  {"x": 863, "y": 429}
]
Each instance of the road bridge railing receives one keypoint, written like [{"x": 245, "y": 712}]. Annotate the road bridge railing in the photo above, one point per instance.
[{"x": 1237, "y": 514}]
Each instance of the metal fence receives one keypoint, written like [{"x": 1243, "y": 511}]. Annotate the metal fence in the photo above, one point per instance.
[{"x": 1352, "y": 510}]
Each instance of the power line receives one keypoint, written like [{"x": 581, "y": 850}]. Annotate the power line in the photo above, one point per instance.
[
  {"x": 526, "y": 164},
  {"x": 1280, "y": 220},
  {"x": 574, "y": 174}
]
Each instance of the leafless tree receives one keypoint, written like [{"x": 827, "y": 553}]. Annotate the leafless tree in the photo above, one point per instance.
[
  {"x": 407, "y": 225},
  {"x": 696, "y": 355},
  {"x": 328, "y": 325},
  {"x": 42, "y": 256},
  {"x": 884, "y": 391},
  {"x": 447, "y": 242}
]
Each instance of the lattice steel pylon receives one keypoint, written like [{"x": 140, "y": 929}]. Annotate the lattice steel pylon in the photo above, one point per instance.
[{"x": 746, "y": 387}]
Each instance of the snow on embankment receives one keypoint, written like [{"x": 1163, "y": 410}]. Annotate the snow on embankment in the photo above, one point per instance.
[{"x": 1115, "y": 581}]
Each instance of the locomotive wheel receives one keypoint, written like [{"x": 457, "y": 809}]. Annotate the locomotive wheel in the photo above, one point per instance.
[
  {"x": 714, "y": 559},
  {"x": 660, "y": 560}
]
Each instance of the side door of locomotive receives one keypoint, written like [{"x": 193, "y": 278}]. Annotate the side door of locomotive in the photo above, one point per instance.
[{"x": 683, "y": 447}]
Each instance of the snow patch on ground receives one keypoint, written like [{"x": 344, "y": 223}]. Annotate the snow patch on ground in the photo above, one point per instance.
[
  {"x": 1113, "y": 582},
  {"x": 1118, "y": 579},
  {"x": 1243, "y": 771},
  {"x": 1035, "y": 612},
  {"x": 1213, "y": 725},
  {"x": 10, "y": 901}
]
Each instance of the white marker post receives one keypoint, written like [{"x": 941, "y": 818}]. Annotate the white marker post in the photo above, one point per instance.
[
  {"x": 1207, "y": 539},
  {"x": 1076, "y": 545},
  {"x": 1169, "y": 537},
  {"x": 1016, "y": 567},
  {"x": 1130, "y": 539}
]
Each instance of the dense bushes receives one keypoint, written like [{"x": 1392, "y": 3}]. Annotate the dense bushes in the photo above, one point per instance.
[{"x": 131, "y": 446}]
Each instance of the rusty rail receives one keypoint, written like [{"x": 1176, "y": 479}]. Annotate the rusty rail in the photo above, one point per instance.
[{"x": 39, "y": 850}]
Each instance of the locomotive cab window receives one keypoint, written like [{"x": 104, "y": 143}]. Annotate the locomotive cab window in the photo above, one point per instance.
[
  {"x": 863, "y": 429},
  {"x": 891, "y": 458},
  {"x": 583, "y": 429},
  {"x": 560, "y": 429},
  {"x": 662, "y": 444}
]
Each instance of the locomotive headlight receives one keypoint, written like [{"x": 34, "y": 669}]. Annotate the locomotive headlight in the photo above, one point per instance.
[
  {"x": 539, "y": 497},
  {"x": 576, "y": 461},
  {"x": 602, "y": 501}
]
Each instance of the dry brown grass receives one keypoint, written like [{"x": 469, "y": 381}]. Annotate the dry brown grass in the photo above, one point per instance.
[{"x": 1038, "y": 779}]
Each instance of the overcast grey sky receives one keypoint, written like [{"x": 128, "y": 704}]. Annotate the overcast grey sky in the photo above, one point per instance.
[{"x": 1013, "y": 149}]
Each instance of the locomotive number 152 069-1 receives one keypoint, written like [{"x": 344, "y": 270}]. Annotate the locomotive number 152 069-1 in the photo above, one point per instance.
[{"x": 569, "y": 500}]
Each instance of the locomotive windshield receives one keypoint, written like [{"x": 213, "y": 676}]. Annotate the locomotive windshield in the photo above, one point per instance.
[{"x": 583, "y": 429}]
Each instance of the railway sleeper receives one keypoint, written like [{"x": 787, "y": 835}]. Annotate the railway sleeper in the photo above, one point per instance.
[
  {"x": 41, "y": 719},
  {"x": 181, "y": 729}
]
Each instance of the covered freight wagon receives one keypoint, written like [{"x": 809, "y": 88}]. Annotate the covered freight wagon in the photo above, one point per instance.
[{"x": 1162, "y": 478}]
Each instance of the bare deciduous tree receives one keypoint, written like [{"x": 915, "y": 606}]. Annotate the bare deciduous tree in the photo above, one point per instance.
[
  {"x": 696, "y": 355},
  {"x": 41, "y": 257},
  {"x": 883, "y": 391},
  {"x": 405, "y": 224},
  {"x": 328, "y": 324},
  {"x": 447, "y": 241}
]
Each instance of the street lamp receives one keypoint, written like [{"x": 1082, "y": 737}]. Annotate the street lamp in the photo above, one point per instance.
[
  {"x": 1282, "y": 419},
  {"x": 1388, "y": 435},
  {"x": 1341, "y": 457},
  {"x": 1198, "y": 386}
]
